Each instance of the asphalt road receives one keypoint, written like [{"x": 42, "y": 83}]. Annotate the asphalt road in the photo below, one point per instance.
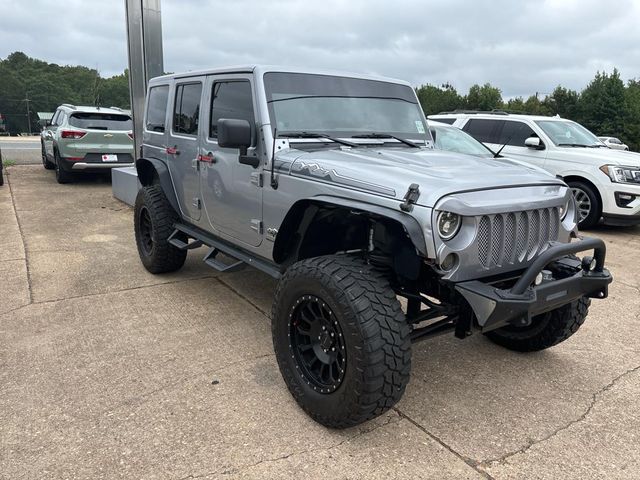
[
  {"x": 107, "y": 371},
  {"x": 21, "y": 150}
]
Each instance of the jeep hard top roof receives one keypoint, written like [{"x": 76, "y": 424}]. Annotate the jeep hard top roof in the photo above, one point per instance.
[{"x": 262, "y": 69}]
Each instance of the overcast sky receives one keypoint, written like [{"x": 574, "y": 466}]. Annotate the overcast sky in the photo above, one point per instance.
[{"x": 520, "y": 46}]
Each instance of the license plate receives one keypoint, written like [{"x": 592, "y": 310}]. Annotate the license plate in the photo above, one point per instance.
[{"x": 109, "y": 158}]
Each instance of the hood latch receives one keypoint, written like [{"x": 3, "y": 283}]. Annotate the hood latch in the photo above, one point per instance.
[{"x": 410, "y": 198}]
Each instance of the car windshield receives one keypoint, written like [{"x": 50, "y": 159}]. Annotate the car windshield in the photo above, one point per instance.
[
  {"x": 100, "y": 121},
  {"x": 344, "y": 107},
  {"x": 453, "y": 139},
  {"x": 568, "y": 134}
]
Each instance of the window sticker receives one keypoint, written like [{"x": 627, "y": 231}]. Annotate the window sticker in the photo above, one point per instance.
[{"x": 419, "y": 126}]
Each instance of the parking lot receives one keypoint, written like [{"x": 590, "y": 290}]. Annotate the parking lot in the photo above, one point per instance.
[{"x": 110, "y": 372}]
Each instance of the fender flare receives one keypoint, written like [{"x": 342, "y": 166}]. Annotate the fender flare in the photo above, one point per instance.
[
  {"x": 408, "y": 222},
  {"x": 150, "y": 169}
]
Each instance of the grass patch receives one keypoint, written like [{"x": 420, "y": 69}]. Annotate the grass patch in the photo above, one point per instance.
[{"x": 8, "y": 163}]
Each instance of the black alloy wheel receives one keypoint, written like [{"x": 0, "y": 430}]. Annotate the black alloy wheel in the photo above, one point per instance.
[{"x": 317, "y": 343}]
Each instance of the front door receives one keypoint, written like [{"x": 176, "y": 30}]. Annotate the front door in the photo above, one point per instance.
[
  {"x": 231, "y": 191},
  {"x": 182, "y": 145}
]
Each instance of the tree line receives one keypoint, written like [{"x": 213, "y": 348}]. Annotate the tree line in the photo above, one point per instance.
[
  {"x": 607, "y": 106},
  {"x": 31, "y": 85}
]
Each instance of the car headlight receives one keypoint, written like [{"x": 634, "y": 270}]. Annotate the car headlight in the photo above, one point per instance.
[
  {"x": 619, "y": 174},
  {"x": 448, "y": 224}
]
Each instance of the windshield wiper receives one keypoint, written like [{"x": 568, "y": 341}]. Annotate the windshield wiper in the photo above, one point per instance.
[
  {"x": 386, "y": 135},
  {"x": 316, "y": 135},
  {"x": 581, "y": 145}
]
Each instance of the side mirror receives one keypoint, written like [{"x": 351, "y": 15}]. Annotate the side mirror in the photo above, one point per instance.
[
  {"x": 534, "y": 142},
  {"x": 233, "y": 133}
]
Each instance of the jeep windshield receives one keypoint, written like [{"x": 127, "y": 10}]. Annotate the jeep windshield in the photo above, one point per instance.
[
  {"x": 370, "y": 111},
  {"x": 569, "y": 134}
]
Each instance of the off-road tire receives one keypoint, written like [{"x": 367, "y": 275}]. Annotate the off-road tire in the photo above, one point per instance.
[
  {"x": 376, "y": 338},
  {"x": 62, "y": 176},
  {"x": 592, "y": 219},
  {"x": 161, "y": 256},
  {"x": 45, "y": 161},
  {"x": 546, "y": 330}
]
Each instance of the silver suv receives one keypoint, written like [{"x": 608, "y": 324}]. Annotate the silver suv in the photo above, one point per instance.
[
  {"x": 330, "y": 183},
  {"x": 86, "y": 139}
]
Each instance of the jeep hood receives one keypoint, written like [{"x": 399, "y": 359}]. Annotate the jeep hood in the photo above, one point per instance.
[{"x": 389, "y": 172}]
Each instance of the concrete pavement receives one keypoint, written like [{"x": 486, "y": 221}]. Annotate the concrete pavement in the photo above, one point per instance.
[{"x": 110, "y": 372}]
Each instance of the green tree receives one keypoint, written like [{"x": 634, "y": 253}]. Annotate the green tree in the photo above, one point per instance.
[
  {"x": 602, "y": 104},
  {"x": 563, "y": 102},
  {"x": 485, "y": 97},
  {"x": 439, "y": 99}
]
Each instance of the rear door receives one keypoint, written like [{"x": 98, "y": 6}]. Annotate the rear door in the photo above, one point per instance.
[
  {"x": 49, "y": 133},
  {"x": 182, "y": 144},
  {"x": 231, "y": 191}
]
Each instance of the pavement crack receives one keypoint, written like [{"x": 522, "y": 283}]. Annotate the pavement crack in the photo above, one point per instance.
[
  {"x": 635, "y": 287},
  {"x": 469, "y": 461},
  {"x": 363, "y": 431},
  {"x": 594, "y": 400},
  {"x": 244, "y": 297},
  {"x": 24, "y": 243}
]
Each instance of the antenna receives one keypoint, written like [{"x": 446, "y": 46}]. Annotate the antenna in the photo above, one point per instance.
[{"x": 274, "y": 180}]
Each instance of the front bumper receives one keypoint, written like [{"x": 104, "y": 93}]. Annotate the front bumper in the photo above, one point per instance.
[{"x": 495, "y": 307}]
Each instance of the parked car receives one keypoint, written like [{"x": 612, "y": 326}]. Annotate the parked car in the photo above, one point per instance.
[
  {"x": 329, "y": 183},
  {"x": 86, "y": 139},
  {"x": 605, "y": 182},
  {"x": 613, "y": 142},
  {"x": 452, "y": 139},
  {"x": 3, "y": 126}
]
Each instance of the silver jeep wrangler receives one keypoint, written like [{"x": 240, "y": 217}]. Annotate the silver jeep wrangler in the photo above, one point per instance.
[{"x": 329, "y": 182}]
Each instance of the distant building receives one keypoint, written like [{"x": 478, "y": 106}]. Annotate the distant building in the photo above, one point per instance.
[{"x": 44, "y": 118}]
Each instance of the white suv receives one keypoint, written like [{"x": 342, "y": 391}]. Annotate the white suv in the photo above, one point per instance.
[
  {"x": 605, "y": 182},
  {"x": 613, "y": 142}
]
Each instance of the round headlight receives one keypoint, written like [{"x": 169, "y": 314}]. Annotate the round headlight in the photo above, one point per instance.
[{"x": 448, "y": 225}]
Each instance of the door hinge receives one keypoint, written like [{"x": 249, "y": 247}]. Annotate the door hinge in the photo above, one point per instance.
[
  {"x": 256, "y": 179},
  {"x": 256, "y": 225},
  {"x": 196, "y": 203}
]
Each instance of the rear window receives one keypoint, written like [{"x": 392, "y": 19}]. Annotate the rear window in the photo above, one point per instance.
[{"x": 100, "y": 121}]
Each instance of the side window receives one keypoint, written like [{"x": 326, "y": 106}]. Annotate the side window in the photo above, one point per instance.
[
  {"x": 231, "y": 100},
  {"x": 187, "y": 108},
  {"x": 515, "y": 133},
  {"x": 485, "y": 131},
  {"x": 449, "y": 121},
  {"x": 61, "y": 118},
  {"x": 54, "y": 119},
  {"x": 157, "y": 108}
]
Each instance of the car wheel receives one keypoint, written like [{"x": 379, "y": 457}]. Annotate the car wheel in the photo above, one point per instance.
[
  {"x": 587, "y": 203},
  {"x": 62, "y": 176},
  {"x": 45, "y": 161},
  {"x": 341, "y": 340},
  {"x": 545, "y": 331},
  {"x": 154, "y": 220}
]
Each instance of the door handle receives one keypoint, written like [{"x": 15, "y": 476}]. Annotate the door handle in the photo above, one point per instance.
[
  {"x": 173, "y": 150},
  {"x": 208, "y": 158}
]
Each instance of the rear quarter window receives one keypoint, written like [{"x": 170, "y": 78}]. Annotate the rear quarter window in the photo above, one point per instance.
[
  {"x": 100, "y": 121},
  {"x": 157, "y": 109},
  {"x": 449, "y": 121}
]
